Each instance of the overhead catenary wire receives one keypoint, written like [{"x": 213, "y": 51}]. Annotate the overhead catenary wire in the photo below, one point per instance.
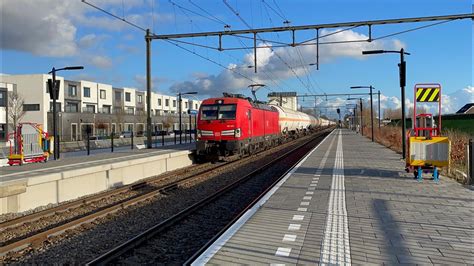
[
  {"x": 115, "y": 16},
  {"x": 276, "y": 54},
  {"x": 210, "y": 60}
]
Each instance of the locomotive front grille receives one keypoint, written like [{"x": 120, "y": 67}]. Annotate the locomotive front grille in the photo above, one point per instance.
[
  {"x": 227, "y": 133},
  {"x": 207, "y": 133}
]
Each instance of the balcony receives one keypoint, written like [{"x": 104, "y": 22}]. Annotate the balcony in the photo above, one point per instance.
[
  {"x": 90, "y": 110},
  {"x": 105, "y": 110}
]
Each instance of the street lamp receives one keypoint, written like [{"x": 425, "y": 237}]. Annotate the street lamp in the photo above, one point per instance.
[
  {"x": 371, "y": 106},
  {"x": 54, "y": 94},
  {"x": 361, "y": 115},
  {"x": 402, "y": 73},
  {"x": 179, "y": 107}
]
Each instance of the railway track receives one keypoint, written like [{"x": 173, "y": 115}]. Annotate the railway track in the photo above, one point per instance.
[
  {"x": 134, "y": 245},
  {"x": 140, "y": 192}
]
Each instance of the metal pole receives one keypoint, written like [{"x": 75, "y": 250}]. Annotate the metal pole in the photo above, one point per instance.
[
  {"x": 379, "y": 110},
  {"x": 470, "y": 158},
  {"x": 190, "y": 134},
  {"x": 195, "y": 127},
  {"x": 131, "y": 140},
  {"x": 361, "y": 119},
  {"x": 148, "y": 88},
  {"x": 402, "y": 87},
  {"x": 179, "y": 110},
  {"x": 372, "y": 112},
  {"x": 88, "y": 143},
  {"x": 55, "y": 129},
  {"x": 112, "y": 142}
]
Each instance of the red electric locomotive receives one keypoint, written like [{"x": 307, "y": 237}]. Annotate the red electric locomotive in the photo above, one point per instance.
[{"x": 234, "y": 124}]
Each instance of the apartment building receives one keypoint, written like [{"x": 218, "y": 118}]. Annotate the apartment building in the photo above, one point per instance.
[
  {"x": 5, "y": 89},
  {"x": 34, "y": 90},
  {"x": 86, "y": 106}
]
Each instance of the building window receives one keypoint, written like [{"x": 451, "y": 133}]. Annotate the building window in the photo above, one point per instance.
[
  {"x": 103, "y": 94},
  {"x": 167, "y": 102},
  {"x": 185, "y": 104},
  {"x": 58, "y": 107},
  {"x": 140, "y": 98},
  {"x": 129, "y": 111},
  {"x": 87, "y": 92},
  {"x": 72, "y": 108},
  {"x": 159, "y": 102},
  {"x": 3, "y": 98},
  {"x": 196, "y": 106},
  {"x": 72, "y": 90},
  {"x": 174, "y": 103},
  {"x": 3, "y": 131},
  {"x": 106, "y": 109},
  {"x": 89, "y": 109},
  {"x": 128, "y": 96},
  {"x": 118, "y": 96},
  {"x": 31, "y": 107}
]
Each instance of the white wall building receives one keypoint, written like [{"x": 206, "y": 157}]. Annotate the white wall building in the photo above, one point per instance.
[
  {"x": 5, "y": 89},
  {"x": 34, "y": 90}
]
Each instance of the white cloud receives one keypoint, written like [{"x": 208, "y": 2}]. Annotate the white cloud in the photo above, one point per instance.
[
  {"x": 101, "y": 61},
  {"x": 450, "y": 103},
  {"x": 273, "y": 62},
  {"x": 155, "y": 81},
  {"x": 39, "y": 27},
  {"x": 49, "y": 27}
]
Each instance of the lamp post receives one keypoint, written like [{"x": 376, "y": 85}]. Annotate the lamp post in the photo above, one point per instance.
[
  {"x": 361, "y": 115},
  {"x": 180, "y": 111},
  {"x": 54, "y": 94},
  {"x": 379, "y": 110},
  {"x": 402, "y": 74},
  {"x": 371, "y": 106}
]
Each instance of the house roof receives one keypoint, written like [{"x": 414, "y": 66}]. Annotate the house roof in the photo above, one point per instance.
[{"x": 465, "y": 108}]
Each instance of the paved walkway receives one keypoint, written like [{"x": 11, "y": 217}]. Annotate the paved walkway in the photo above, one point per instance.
[{"x": 351, "y": 202}]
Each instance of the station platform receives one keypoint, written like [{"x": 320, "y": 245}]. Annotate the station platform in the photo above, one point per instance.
[
  {"x": 37, "y": 184},
  {"x": 350, "y": 202}
]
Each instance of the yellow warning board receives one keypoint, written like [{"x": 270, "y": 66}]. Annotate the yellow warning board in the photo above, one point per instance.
[{"x": 428, "y": 94}]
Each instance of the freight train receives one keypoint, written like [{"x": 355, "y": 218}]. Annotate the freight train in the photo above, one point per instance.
[{"x": 236, "y": 125}]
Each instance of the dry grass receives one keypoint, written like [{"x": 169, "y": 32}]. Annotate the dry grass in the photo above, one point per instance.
[{"x": 390, "y": 136}]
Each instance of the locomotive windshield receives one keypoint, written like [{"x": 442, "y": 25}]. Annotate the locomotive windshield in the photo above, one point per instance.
[{"x": 221, "y": 112}]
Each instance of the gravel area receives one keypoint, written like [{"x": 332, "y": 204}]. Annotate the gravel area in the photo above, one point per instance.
[
  {"x": 88, "y": 241},
  {"x": 15, "y": 233}
]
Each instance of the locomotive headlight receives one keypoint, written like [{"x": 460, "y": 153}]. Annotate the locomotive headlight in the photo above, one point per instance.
[
  {"x": 199, "y": 133},
  {"x": 237, "y": 133}
]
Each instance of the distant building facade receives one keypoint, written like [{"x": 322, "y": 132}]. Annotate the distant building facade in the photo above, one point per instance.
[{"x": 95, "y": 107}]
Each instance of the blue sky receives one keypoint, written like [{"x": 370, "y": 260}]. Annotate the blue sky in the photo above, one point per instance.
[{"x": 37, "y": 35}]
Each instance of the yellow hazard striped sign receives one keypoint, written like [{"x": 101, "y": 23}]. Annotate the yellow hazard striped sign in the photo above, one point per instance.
[{"x": 427, "y": 94}]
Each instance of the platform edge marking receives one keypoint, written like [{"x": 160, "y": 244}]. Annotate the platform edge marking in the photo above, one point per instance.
[{"x": 222, "y": 240}]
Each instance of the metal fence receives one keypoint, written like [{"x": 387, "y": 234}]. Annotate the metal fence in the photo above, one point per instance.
[
  {"x": 470, "y": 162},
  {"x": 122, "y": 142}
]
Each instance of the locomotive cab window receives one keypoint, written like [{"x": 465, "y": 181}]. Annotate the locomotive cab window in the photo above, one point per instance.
[
  {"x": 227, "y": 111},
  {"x": 218, "y": 112},
  {"x": 209, "y": 112}
]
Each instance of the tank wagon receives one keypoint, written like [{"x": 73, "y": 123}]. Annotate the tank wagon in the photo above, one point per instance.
[{"x": 236, "y": 125}]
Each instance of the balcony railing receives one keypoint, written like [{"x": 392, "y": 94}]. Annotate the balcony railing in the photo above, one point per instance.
[
  {"x": 105, "y": 111},
  {"x": 88, "y": 110}
]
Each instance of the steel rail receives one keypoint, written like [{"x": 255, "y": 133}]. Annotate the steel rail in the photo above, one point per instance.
[
  {"x": 129, "y": 245},
  {"x": 223, "y": 230},
  {"x": 77, "y": 203},
  {"x": 39, "y": 237}
]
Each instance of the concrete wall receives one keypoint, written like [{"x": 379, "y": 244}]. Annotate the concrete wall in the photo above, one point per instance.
[{"x": 28, "y": 193}]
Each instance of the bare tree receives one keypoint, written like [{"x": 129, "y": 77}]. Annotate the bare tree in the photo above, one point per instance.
[
  {"x": 168, "y": 122},
  {"x": 15, "y": 108}
]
